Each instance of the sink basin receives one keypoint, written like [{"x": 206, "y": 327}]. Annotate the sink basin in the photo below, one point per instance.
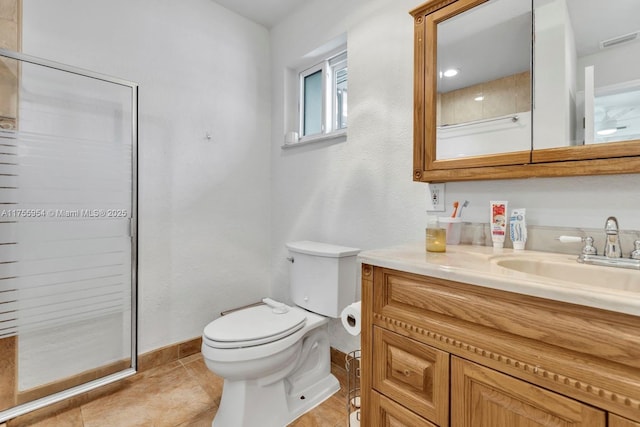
[{"x": 567, "y": 269}]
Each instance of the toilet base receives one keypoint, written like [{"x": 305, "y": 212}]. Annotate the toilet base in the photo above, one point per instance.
[
  {"x": 276, "y": 400},
  {"x": 245, "y": 405},
  {"x": 312, "y": 397}
]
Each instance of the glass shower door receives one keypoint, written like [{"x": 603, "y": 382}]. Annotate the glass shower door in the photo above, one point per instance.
[{"x": 67, "y": 233}]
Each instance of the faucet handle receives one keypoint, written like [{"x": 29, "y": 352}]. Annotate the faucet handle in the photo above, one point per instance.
[
  {"x": 636, "y": 250},
  {"x": 588, "y": 248}
]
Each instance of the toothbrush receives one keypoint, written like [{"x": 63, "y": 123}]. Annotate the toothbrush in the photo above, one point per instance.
[
  {"x": 464, "y": 205},
  {"x": 455, "y": 209}
]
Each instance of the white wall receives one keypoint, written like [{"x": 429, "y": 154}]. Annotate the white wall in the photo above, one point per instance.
[
  {"x": 360, "y": 192},
  {"x": 207, "y": 210},
  {"x": 356, "y": 193},
  {"x": 203, "y": 205}
]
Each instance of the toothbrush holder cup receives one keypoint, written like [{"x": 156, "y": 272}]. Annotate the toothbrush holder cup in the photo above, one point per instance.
[{"x": 454, "y": 229}]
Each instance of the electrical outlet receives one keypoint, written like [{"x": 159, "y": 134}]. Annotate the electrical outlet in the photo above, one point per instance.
[{"x": 435, "y": 194}]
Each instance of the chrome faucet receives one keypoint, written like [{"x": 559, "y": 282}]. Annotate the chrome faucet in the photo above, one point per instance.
[
  {"x": 612, "y": 256},
  {"x": 612, "y": 242}
]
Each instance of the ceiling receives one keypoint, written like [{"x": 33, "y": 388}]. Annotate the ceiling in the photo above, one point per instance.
[{"x": 264, "y": 12}]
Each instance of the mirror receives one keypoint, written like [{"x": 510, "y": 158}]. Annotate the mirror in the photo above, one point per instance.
[
  {"x": 581, "y": 116},
  {"x": 593, "y": 96},
  {"x": 484, "y": 80}
]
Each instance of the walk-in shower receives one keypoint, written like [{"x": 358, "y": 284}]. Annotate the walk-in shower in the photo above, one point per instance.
[{"x": 67, "y": 231}]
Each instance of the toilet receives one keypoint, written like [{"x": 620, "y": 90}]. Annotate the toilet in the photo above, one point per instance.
[{"x": 275, "y": 358}]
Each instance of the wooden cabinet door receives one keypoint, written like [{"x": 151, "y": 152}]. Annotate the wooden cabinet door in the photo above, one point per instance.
[
  {"x": 387, "y": 413},
  {"x": 616, "y": 421},
  {"x": 413, "y": 374},
  {"x": 482, "y": 397}
]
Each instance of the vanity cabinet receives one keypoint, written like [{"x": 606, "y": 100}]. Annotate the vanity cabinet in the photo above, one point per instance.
[{"x": 441, "y": 353}]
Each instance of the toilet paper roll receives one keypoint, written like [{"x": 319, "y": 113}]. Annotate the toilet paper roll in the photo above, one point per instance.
[{"x": 351, "y": 318}]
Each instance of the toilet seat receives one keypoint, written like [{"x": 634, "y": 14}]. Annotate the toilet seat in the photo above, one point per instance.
[{"x": 252, "y": 326}]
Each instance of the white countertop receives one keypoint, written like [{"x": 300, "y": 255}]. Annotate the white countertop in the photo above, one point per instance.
[{"x": 477, "y": 265}]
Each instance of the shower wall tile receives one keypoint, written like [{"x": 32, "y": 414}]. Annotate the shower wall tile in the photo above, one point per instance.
[
  {"x": 504, "y": 96},
  {"x": 466, "y": 109},
  {"x": 523, "y": 92},
  {"x": 8, "y": 371},
  {"x": 499, "y": 97},
  {"x": 10, "y": 32}
]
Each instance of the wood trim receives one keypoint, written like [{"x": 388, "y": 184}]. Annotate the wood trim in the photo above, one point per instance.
[
  {"x": 517, "y": 158},
  {"x": 587, "y": 152},
  {"x": 419, "y": 94},
  {"x": 429, "y": 7},
  {"x": 620, "y": 165},
  {"x": 366, "y": 341}
]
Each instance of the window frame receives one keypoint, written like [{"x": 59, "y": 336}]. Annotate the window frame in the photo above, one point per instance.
[{"x": 329, "y": 66}]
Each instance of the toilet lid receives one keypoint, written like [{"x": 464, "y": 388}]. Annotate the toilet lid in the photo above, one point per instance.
[{"x": 253, "y": 326}]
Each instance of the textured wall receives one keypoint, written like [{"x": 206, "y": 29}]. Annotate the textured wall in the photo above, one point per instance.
[
  {"x": 359, "y": 192},
  {"x": 203, "y": 205}
]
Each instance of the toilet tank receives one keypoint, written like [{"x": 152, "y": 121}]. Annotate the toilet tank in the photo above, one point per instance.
[{"x": 323, "y": 277}]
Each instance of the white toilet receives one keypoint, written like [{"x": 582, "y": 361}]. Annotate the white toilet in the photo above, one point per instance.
[{"x": 274, "y": 358}]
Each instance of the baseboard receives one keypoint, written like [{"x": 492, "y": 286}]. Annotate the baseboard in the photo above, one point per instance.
[
  {"x": 338, "y": 357},
  {"x": 170, "y": 353}
]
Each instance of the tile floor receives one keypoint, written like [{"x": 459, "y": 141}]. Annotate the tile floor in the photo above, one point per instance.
[{"x": 183, "y": 393}]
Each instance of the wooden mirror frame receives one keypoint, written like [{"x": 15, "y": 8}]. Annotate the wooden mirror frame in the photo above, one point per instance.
[{"x": 601, "y": 159}]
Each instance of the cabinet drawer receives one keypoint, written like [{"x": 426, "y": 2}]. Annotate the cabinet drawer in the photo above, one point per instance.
[
  {"x": 387, "y": 413},
  {"x": 413, "y": 374}
]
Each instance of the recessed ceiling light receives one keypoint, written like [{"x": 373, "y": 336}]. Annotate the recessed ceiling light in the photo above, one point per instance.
[
  {"x": 605, "y": 132},
  {"x": 451, "y": 72},
  {"x": 478, "y": 98},
  {"x": 607, "y": 126}
]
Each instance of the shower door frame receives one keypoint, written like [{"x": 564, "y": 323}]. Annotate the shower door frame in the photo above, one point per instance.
[{"x": 24, "y": 408}]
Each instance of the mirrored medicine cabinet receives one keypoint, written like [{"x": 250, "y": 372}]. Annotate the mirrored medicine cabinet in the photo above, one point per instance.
[{"x": 521, "y": 88}]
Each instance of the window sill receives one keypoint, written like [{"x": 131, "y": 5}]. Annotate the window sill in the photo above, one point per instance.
[{"x": 342, "y": 133}]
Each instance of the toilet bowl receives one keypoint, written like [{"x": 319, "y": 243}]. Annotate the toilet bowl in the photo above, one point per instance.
[
  {"x": 275, "y": 358},
  {"x": 273, "y": 382}
]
